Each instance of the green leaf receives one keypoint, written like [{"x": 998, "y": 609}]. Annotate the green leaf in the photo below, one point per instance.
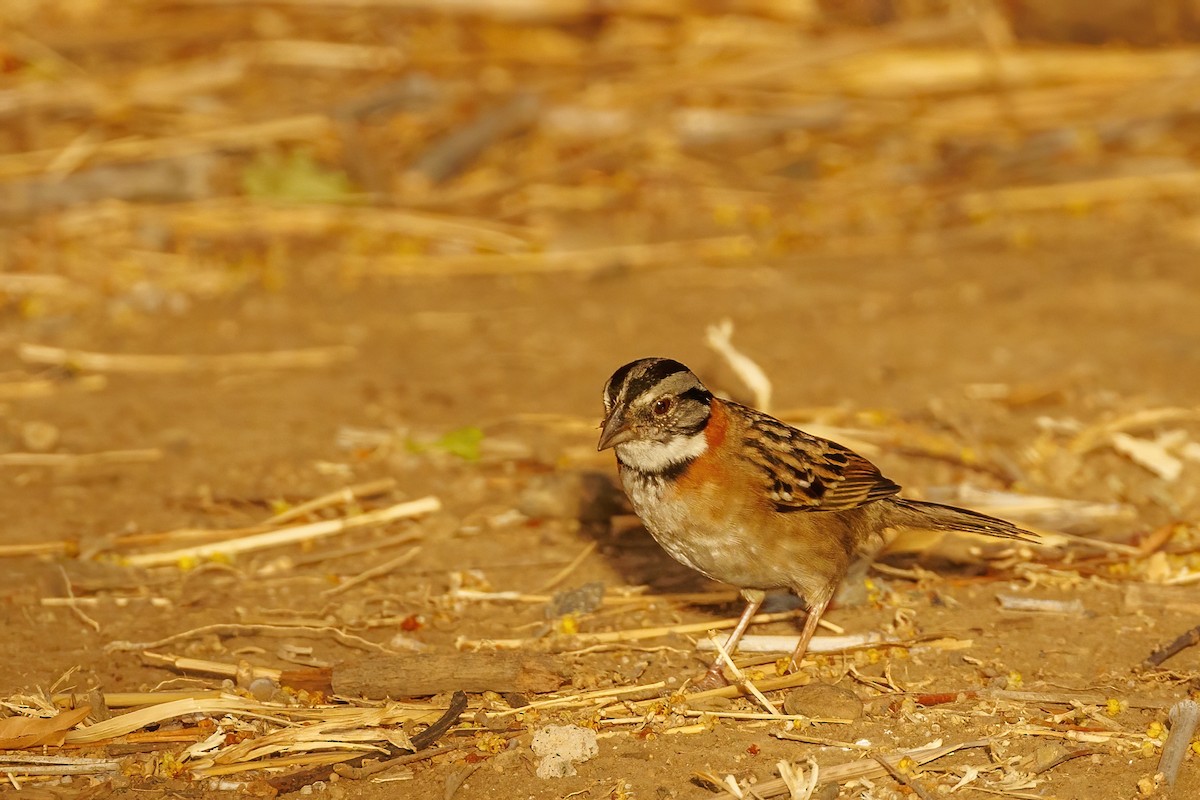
[
  {"x": 463, "y": 443},
  {"x": 295, "y": 177}
]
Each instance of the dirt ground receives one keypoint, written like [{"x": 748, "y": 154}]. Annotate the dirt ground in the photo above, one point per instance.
[{"x": 964, "y": 355}]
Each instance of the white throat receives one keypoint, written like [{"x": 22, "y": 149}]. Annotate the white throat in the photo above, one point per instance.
[{"x": 655, "y": 457}]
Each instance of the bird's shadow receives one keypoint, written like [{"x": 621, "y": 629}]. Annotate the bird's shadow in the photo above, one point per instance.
[{"x": 606, "y": 517}]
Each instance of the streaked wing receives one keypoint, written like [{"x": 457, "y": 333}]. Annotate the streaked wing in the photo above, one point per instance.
[{"x": 807, "y": 473}]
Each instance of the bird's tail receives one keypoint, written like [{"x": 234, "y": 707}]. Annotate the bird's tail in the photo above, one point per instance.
[{"x": 920, "y": 514}]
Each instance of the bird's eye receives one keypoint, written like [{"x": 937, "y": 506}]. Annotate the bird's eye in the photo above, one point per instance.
[{"x": 663, "y": 405}]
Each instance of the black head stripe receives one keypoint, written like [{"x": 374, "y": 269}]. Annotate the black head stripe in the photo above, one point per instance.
[
  {"x": 653, "y": 372},
  {"x": 616, "y": 382},
  {"x": 697, "y": 393}
]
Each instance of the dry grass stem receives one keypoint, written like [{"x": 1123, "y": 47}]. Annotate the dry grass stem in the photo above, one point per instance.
[
  {"x": 742, "y": 680},
  {"x": 81, "y": 460},
  {"x": 766, "y": 643},
  {"x": 609, "y": 599},
  {"x": 236, "y": 629},
  {"x": 312, "y": 357},
  {"x": 1041, "y": 605},
  {"x": 229, "y": 217},
  {"x": 905, "y": 780},
  {"x": 44, "y": 387},
  {"x": 185, "y": 664},
  {"x": 374, "y": 572},
  {"x": 633, "y": 256},
  {"x": 75, "y": 609},
  {"x": 566, "y": 571},
  {"x": 719, "y": 338},
  {"x": 869, "y": 767},
  {"x": 300, "y": 128},
  {"x": 133, "y": 699},
  {"x": 341, "y": 497},
  {"x": 20, "y": 764},
  {"x": 635, "y": 634},
  {"x": 287, "y": 536},
  {"x": 64, "y": 549}
]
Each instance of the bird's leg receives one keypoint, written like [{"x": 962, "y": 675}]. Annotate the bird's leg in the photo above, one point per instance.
[
  {"x": 815, "y": 610},
  {"x": 754, "y": 600}
]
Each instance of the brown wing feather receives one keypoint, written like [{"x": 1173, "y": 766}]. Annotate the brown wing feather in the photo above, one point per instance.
[{"x": 803, "y": 472}]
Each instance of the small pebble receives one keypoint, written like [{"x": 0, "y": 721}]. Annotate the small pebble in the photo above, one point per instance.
[
  {"x": 262, "y": 689},
  {"x": 39, "y": 437},
  {"x": 823, "y": 700},
  {"x": 710, "y": 704},
  {"x": 560, "y": 747}
]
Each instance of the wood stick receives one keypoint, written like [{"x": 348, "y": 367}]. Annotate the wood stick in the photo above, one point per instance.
[
  {"x": 225, "y": 362},
  {"x": 1184, "y": 716},
  {"x": 423, "y": 674},
  {"x": 1179, "y": 644},
  {"x": 452, "y": 153}
]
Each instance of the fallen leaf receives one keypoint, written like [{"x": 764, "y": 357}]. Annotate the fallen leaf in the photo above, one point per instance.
[{"x": 17, "y": 733}]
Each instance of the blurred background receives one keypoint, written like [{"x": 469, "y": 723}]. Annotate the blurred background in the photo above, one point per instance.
[
  {"x": 416, "y": 217},
  {"x": 256, "y": 253}
]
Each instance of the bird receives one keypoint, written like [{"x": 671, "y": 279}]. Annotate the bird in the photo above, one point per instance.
[{"x": 751, "y": 501}]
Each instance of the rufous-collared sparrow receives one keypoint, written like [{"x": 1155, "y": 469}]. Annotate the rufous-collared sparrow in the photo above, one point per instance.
[{"x": 745, "y": 499}]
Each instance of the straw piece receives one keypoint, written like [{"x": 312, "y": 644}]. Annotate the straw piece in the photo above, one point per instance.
[
  {"x": 719, "y": 338},
  {"x": 305, "y": 127},
  {"x": 633, "y": 635},
  {"x": 161, "y": 712},
  {"x": 344, "y": 496},
  {"x": 741, "y": 676},
  {"x": 238, "y": 629},
  {"x": 225, "y": 362},
  {"x": 81, "y": 460},
  {"x": 374, "y": 572},
  {"x": 583, "y": 261},
  {"x": 566, "y": 571},
  {"x": 21, "y": 764},
  {"x": 869, "y": 767},
  {"x": 66, "y": 548},
  {"x": 766, "y": 643},
  {"x": 234, "y": 217},
  {"x": 185, "y": 664},
  {"x": 292, "y": 535}
]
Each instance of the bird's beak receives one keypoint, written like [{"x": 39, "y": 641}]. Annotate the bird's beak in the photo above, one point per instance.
[{"x": 613, "y": 432}]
